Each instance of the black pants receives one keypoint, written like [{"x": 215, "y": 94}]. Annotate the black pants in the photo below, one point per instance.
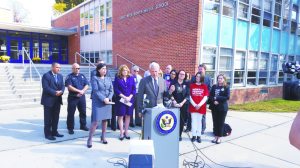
[
  {"x": 218, "y": 122},
  {"x": 183, "y": 115},
  {"x": 51, "y": 118},
  {"x": 80, "y": 103},
  {"x": 137, "y": 120}
]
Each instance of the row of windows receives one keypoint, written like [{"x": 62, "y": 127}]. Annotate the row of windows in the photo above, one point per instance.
[
  {"x": 244, "y": 68},
  {"x": 93, "y": 56},
  {"x": 95, "y": 17},
  {"x": 280, "y": 16}
]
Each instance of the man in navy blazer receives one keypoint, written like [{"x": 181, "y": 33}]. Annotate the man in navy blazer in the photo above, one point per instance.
[{"x": 53, "y": 89}]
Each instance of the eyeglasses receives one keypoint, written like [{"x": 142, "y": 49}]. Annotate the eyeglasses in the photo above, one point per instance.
[{"x": 136, "y": 71}]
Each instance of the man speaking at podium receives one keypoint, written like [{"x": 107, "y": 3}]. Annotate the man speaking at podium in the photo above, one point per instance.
[{"x": 153, "y": 87}]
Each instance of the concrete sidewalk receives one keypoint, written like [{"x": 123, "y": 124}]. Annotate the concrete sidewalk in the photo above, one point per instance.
[{"x": 258, "y": 140}]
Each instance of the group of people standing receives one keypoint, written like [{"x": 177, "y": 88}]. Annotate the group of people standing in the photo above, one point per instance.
[{"x": 191, "y": 96}]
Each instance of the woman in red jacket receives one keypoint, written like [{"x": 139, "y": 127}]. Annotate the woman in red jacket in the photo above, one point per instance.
[{"x": 198, "y": 97}]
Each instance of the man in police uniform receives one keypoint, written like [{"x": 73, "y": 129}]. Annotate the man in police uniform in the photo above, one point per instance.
[{"x": 77, "y": 85}]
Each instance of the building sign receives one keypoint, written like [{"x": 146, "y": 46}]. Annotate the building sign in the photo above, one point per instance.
[
  {"x": 147, "y": 10},
  {"x": 166, "y": 122}
]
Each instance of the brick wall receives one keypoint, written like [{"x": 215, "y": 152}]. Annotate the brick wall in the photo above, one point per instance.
[
  {"x": 166, "y": 31},
  {"x": 240, "y": 96},
  {"x": 70, "y": 20}
]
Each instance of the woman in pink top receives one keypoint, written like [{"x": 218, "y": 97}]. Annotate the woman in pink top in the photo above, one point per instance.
[{"x": 198, "y": 97}]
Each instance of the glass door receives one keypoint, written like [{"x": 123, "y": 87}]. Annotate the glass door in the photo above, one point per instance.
[
  {"x": 55, "y": 52},
  {"x": 13, "y": 50},
  {"x": 27, "y": 53},
  {"x": 45, "y": 51}
]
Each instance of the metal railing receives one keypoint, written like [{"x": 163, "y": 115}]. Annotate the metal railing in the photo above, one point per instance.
[
  {"x": 90, "y": 63},
  {"x": 127, "y": 60},
  {"x": 31, "y": 64}
]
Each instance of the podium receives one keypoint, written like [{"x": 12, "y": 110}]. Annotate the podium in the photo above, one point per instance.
[{"x": 162, "y": 126}]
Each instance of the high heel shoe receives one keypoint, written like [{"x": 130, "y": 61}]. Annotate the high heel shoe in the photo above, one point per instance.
[
  {"x": 127, "y": 137},
  {"x": 103, "y": 141},
  {"x": 121, "y": 138},
  {"x": 89, "y": 143},
  {"x": 218, "y": 141}
]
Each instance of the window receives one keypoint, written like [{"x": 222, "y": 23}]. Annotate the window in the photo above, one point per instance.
[
  {"x": 212, "y": 6},
  {"x": 3, "y": 47},
  {"x": 239, "y": 67},
  {"x": 293, "y": 27},
  {"x": 263, "y": 68},
  {"x": 243, "y": 11},
  {"x": 267, "y": 5},
  {"x": 225, "y": 59},
  {"x": 97, "y": 18},
  {"x": 228, "y": 7},
  {"x": 91, "y": 19},
  {"x": 108, "y": 16},
  {"x": 252, "y": 68},
  {"x": 255, "y": 18},
  {"x": 267, "y": 19},
  {"x": 255, "y": 3},
  {"x": 86, "y": 20},
  {"x": 281, "y": 74},
  {"x": 209, "y": 59},
  {"x": 286, "y": 22},
  {"x": 294, "y": 13},
  {"x": 81, "y": 22},
  {"x": 276, "y": 22},
  {"x": 102, "y": 18},
  {"x": 273, "y": 69}
]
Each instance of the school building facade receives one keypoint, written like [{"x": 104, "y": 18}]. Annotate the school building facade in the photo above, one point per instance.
[{"x": 247, "y": 40}]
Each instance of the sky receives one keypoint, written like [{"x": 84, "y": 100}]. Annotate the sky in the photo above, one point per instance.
[{"x": 39, "y": 12}]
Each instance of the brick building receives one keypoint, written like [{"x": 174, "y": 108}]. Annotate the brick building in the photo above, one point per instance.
[{"x": 245, "y": 40}]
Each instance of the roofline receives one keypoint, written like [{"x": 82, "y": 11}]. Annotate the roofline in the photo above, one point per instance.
[
  {"x": 71, "y": 10},
  {"x": 45, "y": 30}
]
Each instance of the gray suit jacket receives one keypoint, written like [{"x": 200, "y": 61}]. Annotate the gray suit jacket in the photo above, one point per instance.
[{"x": 146, "y": 87}]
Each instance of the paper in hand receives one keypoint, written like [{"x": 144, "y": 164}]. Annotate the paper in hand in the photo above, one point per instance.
[{"x": 126, "y": 103}]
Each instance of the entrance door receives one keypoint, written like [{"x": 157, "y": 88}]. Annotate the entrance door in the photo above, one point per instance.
[
  {"x": 15, "y": 49},
  {"x": 45, "y": 52}
]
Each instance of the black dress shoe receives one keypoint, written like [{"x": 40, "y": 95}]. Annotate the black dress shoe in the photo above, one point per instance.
[
  {"x": 84, "y": 128},
  {"x": 51, "y": 138},
  {"x": 193, "y": 139},
  {"x": 71, "y": 132},
  {"x": 180, "y": 139},
  {"x": 198, "y": 139},
  {"x": 121, "y": 138},
  {"x": 58, "y": 135}
]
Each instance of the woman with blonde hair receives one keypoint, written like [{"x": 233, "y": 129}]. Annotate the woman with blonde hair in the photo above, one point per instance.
[
  {"x": 125, "y": 89},
  {"x": 218, "y": 98}
]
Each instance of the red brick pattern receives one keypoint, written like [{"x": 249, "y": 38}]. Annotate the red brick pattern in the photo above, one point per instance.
[
  {"x": 168, "y": 35},
  {"x": 70, "y": 20},
  {"x": 240, "y": 96}
]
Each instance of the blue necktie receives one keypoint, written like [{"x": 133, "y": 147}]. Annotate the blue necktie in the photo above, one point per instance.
[
  {"x": 55, "y": 76},
  {"x": 155, "y": 86}
]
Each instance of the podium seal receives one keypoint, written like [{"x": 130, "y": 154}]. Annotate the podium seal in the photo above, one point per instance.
[{"x": 166, "y": 122}]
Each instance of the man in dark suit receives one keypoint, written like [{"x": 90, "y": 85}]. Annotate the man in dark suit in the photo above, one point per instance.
[
  {"x": 153, "y": 87},
  {"x": 53, "y": 89}
]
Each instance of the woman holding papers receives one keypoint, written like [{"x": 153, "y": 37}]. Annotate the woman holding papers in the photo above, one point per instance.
[
  {"x": 101, "y": 102},
  {"x": 124, "y": 87}
]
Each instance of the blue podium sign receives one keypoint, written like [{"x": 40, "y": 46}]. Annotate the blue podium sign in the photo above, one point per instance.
[{"x": 166, "y": 122}]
